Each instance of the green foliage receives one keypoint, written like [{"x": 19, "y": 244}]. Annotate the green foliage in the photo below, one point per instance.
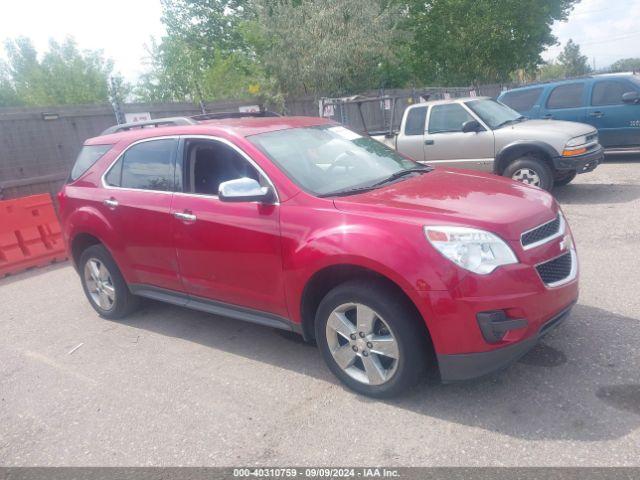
[
  {"x": 551, "y": 71},
  {"x": 573, "y": 63},
  {"x": 327, "y": 47},
  {"x": 626, "y": 65},
  {"x": 463, "y": 42},
  {"x": 65, "y": 75}
]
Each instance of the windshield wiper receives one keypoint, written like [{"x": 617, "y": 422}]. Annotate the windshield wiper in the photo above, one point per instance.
[
  {"x": 347, "y": 191},
  {"x": 402, "y": 173},
  {"x": 366, "y": 188},
  {"x": 513, "y": 120}
]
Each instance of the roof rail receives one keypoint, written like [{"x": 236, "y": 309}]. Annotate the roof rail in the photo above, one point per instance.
[
  {"x": 158, "y": 122},
  {"x": 222, "y": 115}
]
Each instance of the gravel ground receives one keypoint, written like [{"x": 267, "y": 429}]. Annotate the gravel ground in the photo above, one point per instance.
[{"x": 169, "y": 386}]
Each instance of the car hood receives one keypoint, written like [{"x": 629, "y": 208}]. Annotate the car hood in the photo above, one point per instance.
[
  {"x": 541, "y": 128},
  {"x": 458, "y": 197}
]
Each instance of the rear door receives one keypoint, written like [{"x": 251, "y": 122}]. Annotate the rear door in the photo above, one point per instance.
[
  {"x": 567, "y": 101},
  {"x": 618, "y": 123},
  {"x": 447, "y": 145},
  {"x": 138, "y": 193}
]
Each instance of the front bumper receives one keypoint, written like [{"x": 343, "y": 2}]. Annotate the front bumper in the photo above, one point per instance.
[
  {"x": 580, "y": 163},
  {"x": 458, "y": 367}
]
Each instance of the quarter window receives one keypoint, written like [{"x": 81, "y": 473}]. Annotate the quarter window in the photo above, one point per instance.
[
  {"x": 448, "y": 118},
  {"x": 609, "y": 92},
  {"x": 521, "y": 100},
  {"x": 566, "y": 96},
  {"x": 145, "y": 166},
  {"x": 416, "y": 119},
  {"x": 88, "y": 156}
]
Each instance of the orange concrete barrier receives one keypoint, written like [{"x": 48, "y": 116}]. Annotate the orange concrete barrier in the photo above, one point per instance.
[{"x": 30, "y": 234}]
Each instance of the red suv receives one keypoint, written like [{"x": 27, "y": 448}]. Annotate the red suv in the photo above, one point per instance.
[{"x": 298, "y": 223}]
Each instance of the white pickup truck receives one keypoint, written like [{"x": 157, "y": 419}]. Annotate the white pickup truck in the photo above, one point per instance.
[{"x": 483, "y": 134}]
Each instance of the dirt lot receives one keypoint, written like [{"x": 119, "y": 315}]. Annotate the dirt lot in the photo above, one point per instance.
[{"x": 170, "y": 386}]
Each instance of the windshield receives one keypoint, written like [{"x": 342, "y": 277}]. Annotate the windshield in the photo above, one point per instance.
[
  {"x": 330, "y": 159},
  {"x": 493, "y": 113}
]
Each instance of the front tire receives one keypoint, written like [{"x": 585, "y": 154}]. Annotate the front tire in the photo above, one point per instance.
[
  {"x": 104, "y": 285},
  {"x": 371, "y": 339},
  {"x": 530, "y": 170}
]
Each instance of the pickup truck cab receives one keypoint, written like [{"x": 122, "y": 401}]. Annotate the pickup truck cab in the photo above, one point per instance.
[
  {"x": 482, "y": 134},
  {"x": 610, "y": 103}
]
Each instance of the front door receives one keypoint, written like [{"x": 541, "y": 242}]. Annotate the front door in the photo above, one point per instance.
[
  {"x": 227, "y": 252},
  {"x": 566, "y": 102},
  {"x": 446, "y": 144},
  {"x": 618, "y": 123}
]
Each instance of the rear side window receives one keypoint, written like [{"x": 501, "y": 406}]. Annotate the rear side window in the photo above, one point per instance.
[
  {"x": 88, "y": 156},
  {"x": 609, "y": 92},
  {"x": 566, "y": 96},
  {"x": 448, "y": 118},
  {"x": 415, "y": 121},
  {"x": 521, "y": 100},
  {"x": 145, "y": 166}
]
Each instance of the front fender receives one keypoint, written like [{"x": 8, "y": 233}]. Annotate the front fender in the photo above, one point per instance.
[{"x": 518, "y": 148}]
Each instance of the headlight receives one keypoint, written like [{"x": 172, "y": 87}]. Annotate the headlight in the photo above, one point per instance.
[
  {"x": 574, "y": 142},
  {"x": 475, "y": 250}
]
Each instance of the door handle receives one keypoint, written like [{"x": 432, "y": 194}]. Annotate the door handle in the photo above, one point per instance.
[
  {"x": 548, "y": 115},
  {"x": 429, "y": 142},
  {"x": 185, "y": 216},
  {"x": 112, "y": 203},
  {"x": 596, "y": 114}
]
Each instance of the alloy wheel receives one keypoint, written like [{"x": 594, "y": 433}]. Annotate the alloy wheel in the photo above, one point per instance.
[
  {"x": 362, "y": 344},
  {"x": 99, "y": 284}
]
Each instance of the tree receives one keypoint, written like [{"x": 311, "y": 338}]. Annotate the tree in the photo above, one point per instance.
[
  {"x": 626, "y": 65},
  {"x": 326, "y": 48},
  {"x": 551, "y": 71},
  {"x": 8, "y": 95},
  {"x": 463, "y": 42},
  {"x": 65, "y": 75},
  {"x": 572, "y": 61}
]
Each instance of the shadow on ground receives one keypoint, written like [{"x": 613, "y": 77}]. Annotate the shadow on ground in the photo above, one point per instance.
[
  {"x": 578, "y": 384},
  {"x": 596, "y": 193}
]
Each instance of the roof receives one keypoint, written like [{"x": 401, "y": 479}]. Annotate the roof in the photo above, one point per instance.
[
  {"x": 573, "y": 79},
  {"x": 241, "y": 127},
  {"x": 450, "y": 100}
]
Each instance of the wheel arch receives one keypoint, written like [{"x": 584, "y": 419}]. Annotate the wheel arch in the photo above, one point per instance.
[
  {"x": 518, "y": 149},
  {"x": 79, "y": 243},
  {"x": 329, "y": 277}
]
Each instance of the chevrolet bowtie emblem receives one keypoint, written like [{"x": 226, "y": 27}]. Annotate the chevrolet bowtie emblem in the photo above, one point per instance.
[{"x": 566, "y": 243}]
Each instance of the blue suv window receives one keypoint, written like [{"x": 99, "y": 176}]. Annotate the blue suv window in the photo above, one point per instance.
[
  {"x": 521, "y": 100},
  {"x": 609, "y": 92},
  {"x": 566, "y": 96}
]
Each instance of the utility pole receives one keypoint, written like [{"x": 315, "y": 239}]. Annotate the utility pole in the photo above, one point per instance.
[{"x": 115, "y": 101}]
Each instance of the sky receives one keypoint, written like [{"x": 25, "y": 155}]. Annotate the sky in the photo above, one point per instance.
[{"x": 606, "y": 30}]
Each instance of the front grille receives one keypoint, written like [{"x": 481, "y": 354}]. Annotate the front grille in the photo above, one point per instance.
[
  {"x": 540, "y": 233},
  {"x": 555, "y": 270}
]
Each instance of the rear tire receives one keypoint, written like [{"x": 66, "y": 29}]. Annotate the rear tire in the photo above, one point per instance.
[
  {"x": 565, "y": 179},
  {"x": 371, "y": 339},
  {"x": 530, "y": 170},
  {"x": 104, "y": 285}
]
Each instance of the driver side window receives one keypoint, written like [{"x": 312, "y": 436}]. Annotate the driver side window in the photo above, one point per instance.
[
  {"x": 448, "y": 118},
  {"x": 208, "y": 163}
]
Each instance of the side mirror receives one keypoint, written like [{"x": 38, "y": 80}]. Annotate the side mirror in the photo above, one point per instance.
[
  {"x": 631, "y": 97},
  {"x": 244, "y": 190},
  {"x": 471, "y": 126}
]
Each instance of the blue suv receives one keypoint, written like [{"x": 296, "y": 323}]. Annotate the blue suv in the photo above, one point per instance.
[{"x": 609, "y": 102}]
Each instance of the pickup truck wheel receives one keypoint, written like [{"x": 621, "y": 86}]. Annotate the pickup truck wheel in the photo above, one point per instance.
[
  {"x": 370, "y": 339},
  {"x": 530, "y": 170},
  {"x": 565, "y": 179},
  {"x": 104, "y": 285}
]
